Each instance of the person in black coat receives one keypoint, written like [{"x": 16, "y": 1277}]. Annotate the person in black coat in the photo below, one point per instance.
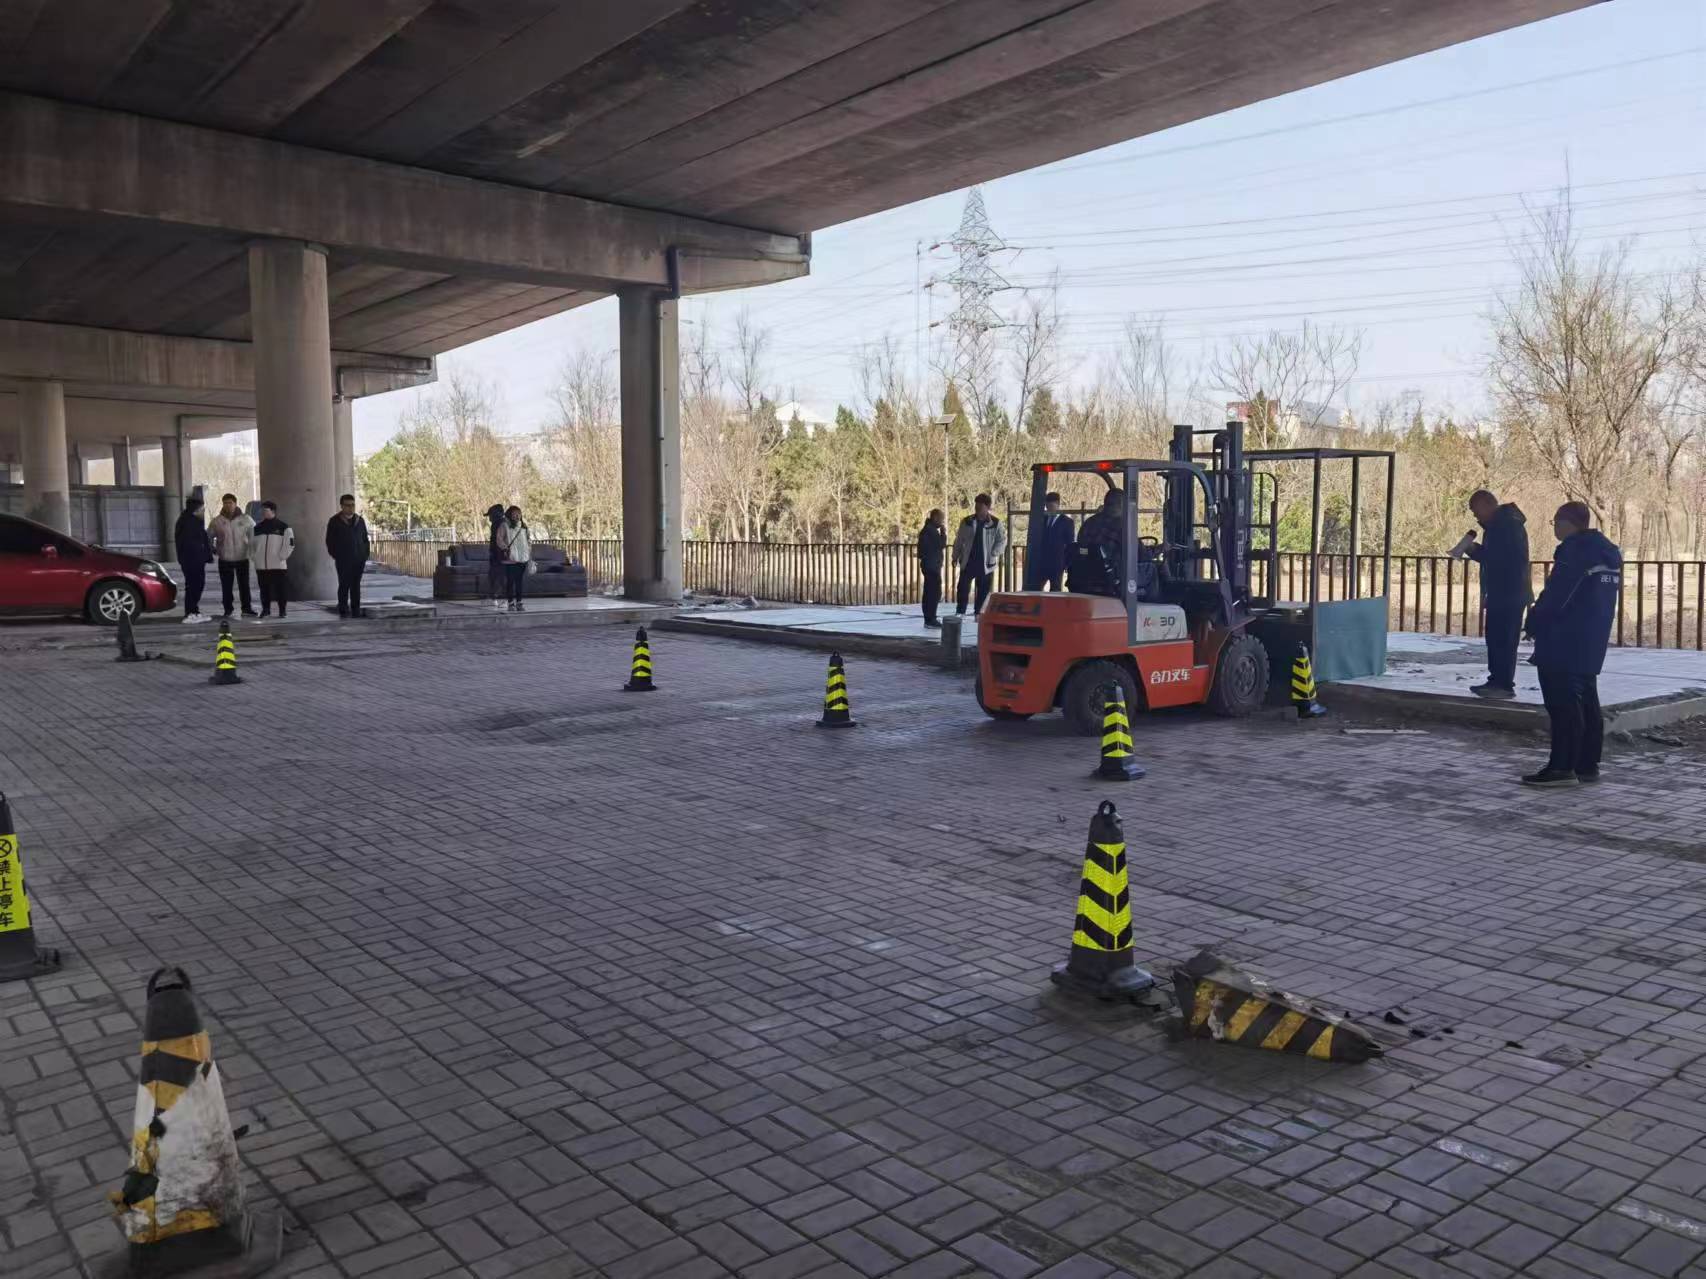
[
  {"x": 1571, "y": 627},
  {"x": 1059, "y": 537},
  {"x": 1505, "y": 591},
  {"x": 348, "y": 544},
  {"x": 932, "y": 546},
  {"x": 195, "y": 552}
]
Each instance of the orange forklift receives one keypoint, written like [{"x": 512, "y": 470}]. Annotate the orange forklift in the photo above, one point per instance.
[{"x": 1172, "y": 619}]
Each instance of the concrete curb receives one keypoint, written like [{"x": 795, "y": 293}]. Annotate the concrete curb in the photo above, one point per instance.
[
  {"x": 1633, "y": 717},
  {"x": 820, "y": 641}
]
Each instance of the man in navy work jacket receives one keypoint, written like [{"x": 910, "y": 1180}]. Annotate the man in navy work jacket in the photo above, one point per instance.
[
  {"x": 1505, "y": 591},
  {"x": 1571, "y": 626},
  {"x": 1059, "y": 537}
]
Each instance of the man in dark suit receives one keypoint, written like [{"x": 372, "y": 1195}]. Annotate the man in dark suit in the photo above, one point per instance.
[
  {"x": 932, "y": 545},
  {"x": 1058, "y": 539}
]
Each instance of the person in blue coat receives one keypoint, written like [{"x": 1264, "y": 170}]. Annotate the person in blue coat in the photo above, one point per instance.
[
  {"x": 1571, "y": 626},
  {"x": 1059, "y": 537},
  {"x": 1505, "y": 590}
]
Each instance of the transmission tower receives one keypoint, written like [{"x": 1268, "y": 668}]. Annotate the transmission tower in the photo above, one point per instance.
[{"x": 974, "y": 320}]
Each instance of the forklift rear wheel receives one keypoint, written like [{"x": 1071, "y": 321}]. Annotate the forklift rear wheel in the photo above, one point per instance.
[
  {"x": 991, "y": 711},
  {"x": 1240, "y": 677},
  {"x": 1083, "y": 700}
]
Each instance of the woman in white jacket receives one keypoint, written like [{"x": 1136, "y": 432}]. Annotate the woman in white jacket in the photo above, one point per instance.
[
  {"x": 516, "y": 546},
  {"x": 269, "y": 552}
]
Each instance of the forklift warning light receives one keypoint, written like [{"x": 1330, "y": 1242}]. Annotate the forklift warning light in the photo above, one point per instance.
[
  {"x": 1104, "y": 466},
  {"x": 1047, "y": 468}
]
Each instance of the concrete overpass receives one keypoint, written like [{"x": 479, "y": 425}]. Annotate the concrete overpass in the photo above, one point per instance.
[{"x": 274, "y": 207}]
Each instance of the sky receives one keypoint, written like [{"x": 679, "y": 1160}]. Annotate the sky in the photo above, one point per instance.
[{"x": 1385, "y": 201}]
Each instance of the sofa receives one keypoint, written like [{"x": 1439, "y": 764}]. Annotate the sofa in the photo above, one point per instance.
[{"x": 462, "y": 574}]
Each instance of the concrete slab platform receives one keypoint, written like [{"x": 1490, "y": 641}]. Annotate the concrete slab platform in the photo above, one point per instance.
[{"x": 1427, "y": 676}]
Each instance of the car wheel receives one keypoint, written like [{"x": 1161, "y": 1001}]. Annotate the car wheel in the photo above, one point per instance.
[
  {"x": 1084, "y": 698},
  {"x": 1240, "y": 677},
  {"x": 109, "y": 601},
  {"x": 991, "y": 711}
]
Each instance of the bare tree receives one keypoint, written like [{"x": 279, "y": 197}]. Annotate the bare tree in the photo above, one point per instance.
[
  {"x": 1036, "y": 349},
  {"x": 1581, "y": 352},
  {"x": 584, "y": 447},
  {"x": 1289, "y": 379}
]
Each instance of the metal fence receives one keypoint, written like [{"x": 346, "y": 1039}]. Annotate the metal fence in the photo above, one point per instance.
[{"x": 1663, "y": 604}]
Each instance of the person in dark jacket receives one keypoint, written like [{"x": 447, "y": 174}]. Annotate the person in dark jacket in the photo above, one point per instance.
[
  {"x": 1098, "y": 565},
  {"x": 1059, "y": 537},
  {"x": 932, "y": 546},
  {"x": 1571, "y": 626},
  {"x": 195, "y": 553},
  {"x": 494, "y": 555},
  {"x": 1505, "y": 592},
  {"x": 347, "y": 543}
]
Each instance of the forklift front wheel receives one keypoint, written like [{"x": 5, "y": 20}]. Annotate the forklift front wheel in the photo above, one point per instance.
[
  {"x": 1083, "y": 699},
  {"x": 991, "y": 711},
  {"x": 1240, "y": 677}
]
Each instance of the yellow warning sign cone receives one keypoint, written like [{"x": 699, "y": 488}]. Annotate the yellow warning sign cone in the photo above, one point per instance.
[
  {"x": 1303, "y": 685},
  {"x": 640, "y": 672},
  {"x": 225, "y": 657},
  {"x": 1101, "y": 962},
  {"x": 1118, "y": 763},
  {"x": 20, "y": 957},
  {"x": 1218, "y": 1001},
  {"x": 182, "y": 1204},
  {"x": 837, "y": 709}
]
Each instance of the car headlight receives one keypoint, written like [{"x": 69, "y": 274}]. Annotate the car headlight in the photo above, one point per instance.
[{"x": 151, "y": 569}]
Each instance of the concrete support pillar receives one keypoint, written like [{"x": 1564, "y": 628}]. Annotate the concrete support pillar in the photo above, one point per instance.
[
  {"x": 124, "y": 465},
  {"x": 651, "y": 447},
  {"x": 293, "y": 401},
  {"x": 343, "y": 444},
  {"x": 47, "y": 465},
  {"x": 174, "y": 453}
]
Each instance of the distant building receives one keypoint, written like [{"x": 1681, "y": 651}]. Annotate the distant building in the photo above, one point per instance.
[
  {"x": 1292, "y": 420},
  {"x": 794, "y": 415}
]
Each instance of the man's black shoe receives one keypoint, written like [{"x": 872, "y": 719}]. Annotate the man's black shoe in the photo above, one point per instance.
[
  {"x": 249, "y": 612},
  {"x": 1550, "y": 777},
  {"x": 1589, "y": 777},
  {"x": 1494, "y": 692},
  {"x": 933, "y": 623}
]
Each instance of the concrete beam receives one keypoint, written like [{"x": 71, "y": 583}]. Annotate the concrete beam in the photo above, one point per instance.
[
  {"x": 65, "y": 161},
  {"x": 31, "y": 351}
]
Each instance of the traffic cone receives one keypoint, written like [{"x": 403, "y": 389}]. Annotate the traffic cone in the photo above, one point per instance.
[
  {"x": 1218, "y": 1001},
  {"x": 127, "y": 641},
  {"x": 1101, "y": 962},
  {"x": 225, "y": 657},
  {"x": 1118, "y": 763},
  {"x": 640, "y": 673},
  {"x": 837, "y": 710},
  {"x": 20, "y": 958},
  {"x": 181, "y": 1205},
  {"x": 1303, "y": 685}
]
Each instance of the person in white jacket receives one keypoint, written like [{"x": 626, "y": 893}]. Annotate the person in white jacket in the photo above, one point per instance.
[
  {"x": 269, "y": 552},
  {"x": 233, "y": 533},
  {"x": 516, "y": 546}
]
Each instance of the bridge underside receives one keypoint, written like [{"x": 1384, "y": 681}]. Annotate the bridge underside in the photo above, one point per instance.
[{"x": 448, "y": 170}]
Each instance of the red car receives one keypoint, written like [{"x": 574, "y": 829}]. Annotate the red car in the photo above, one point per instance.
[{"x": 43, "y": 571}]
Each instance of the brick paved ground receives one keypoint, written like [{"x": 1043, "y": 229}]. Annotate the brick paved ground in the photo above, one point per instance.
[{"x": 511, "y": 973}]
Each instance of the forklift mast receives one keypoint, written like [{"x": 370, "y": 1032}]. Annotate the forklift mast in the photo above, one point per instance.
[{"x": 1233, "y": 496}]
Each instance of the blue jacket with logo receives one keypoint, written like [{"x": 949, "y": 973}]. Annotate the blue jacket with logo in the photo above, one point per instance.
[{"x": 1571, "y": 621}]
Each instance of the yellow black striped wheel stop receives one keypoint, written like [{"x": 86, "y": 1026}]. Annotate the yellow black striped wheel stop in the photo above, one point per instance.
[{"x": 1218, "y": 1001}]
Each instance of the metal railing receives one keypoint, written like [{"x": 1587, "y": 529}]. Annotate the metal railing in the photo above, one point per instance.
[{"x": 1663, "y": 602}]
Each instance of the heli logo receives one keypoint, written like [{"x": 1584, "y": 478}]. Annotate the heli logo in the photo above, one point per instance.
[
  {"x": 1169, "y": 677},
  {"x": 1016, "y": 608}
]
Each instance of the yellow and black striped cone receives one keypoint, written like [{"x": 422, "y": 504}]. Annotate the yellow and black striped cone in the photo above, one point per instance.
[
  {"x": 225, "y": 658},
  {"x": 1303, "y": 685},
  {"x": 1118, "y": 763},
  {"x": 1101, "y": 962},
  {"x": 181, "y": 1205},
  {"x": 20, "y": 957},
  {"x": 1218, "y": 1001},
  {"x": 837, "y": 709},
  {"x": 640, "y": 672}
]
